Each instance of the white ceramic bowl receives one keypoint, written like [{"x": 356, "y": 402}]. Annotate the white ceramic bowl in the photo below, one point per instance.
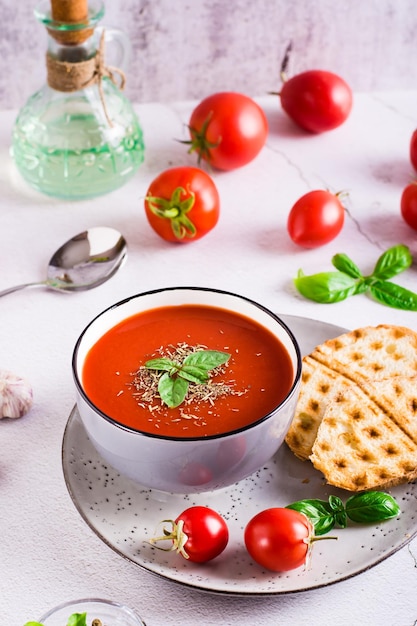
[
  {"x": 106, "y": 611},
  {"x": 156, "y": 461}
]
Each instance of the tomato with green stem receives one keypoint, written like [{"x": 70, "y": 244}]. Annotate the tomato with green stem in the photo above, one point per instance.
[
  {"x": 227, "y": 130},
  {"x": 280, "y": 539},
  {"x": 182, "y": 204},
  {"x": 198, "y": 534},
  {"x": 316, "y": 218}
]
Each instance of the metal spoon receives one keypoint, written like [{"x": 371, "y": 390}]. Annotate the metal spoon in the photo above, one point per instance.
[{"x": 85, "y": 261}]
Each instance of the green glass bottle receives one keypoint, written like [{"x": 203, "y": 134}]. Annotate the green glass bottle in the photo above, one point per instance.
[{"x": 78, "y": 136}]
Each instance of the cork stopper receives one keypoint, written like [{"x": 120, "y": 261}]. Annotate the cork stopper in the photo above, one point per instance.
[{"x": 71, "y": 13}]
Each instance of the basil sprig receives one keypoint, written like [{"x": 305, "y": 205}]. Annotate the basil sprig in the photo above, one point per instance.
[
  {"x": 369, "y": 507},
  {"x": 329, "y": 287},
  {"x": 323, "y": 515},
  {"x": 173, "y": 384}
]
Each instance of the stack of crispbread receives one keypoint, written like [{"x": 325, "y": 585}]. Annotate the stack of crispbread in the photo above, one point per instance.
[{"x": 356, "y": 418}]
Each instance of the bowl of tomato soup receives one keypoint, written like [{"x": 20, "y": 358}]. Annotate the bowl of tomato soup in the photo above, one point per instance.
[{"x": 186, "y": 389}]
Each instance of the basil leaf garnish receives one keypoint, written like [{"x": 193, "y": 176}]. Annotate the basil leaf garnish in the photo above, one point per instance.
[
  {"x": 394, "y": 295},
  {"x": 325, "y": 287},
  {"x": 172, "y": 390},
  {"x": 340, "y": 518},
  {"x": 174, "y": 383},
  {"x": 361, "y": 286},
  {"x": 329, "y": 287},
  {"x": 335, "y": 503},
  {"x": 367, "y": 507},
  {"x": 392, "y": 262},
  {"x": 338, "y": 510},
  {"x": 161, "y": 364},
  {"x": 194, "y": 373},
  {"x": 371, "y": 506},
  {"x": 319, "y": 513},
  {"x": 207, "y": 359},
  {"x": 344, "y": 264}
]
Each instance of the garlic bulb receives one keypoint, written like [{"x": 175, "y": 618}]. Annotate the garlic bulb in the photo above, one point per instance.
[{"x": 16, "y": 395}]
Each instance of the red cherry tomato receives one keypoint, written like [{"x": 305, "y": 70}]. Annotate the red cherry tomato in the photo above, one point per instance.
[
  {"x": 409, "y": 205},
  {"x": 182, "y": 204},
  {"x": 279, "y": 539},
  {"x": 413, "y": 150},
  {"x": 315, "y": 219},
  {"x": 227, "y": 130},
  {"x": 317, "y": 100},
  {"x": 199, "y": 534}
]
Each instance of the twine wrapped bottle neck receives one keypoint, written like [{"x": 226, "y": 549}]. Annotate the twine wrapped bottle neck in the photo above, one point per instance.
[{"x": 69, "y": 76}]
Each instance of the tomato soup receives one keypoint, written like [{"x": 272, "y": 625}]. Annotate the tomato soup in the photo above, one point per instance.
[{"x": 257, "y": 377}]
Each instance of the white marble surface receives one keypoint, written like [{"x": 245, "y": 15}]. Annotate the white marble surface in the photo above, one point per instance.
[
  {"x": 190, "y": 48},
  {"x": 48, "y": 554}
]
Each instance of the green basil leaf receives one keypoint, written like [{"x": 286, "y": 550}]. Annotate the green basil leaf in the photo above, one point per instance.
[
  {"x": 339, "y": 512},
  {"x": 193, "y": 373},
  {"x": 361, "y": 286},
  {"x": 161, "y": 364},
  {"x": 336, "y": 503},
  {"x": 33, "y": 624},
  {"x": 172, "y": 390},
  {"x": 326, "y": 287},
  {"x": 319, "y": 513},
  {"x": 207, "y": 359},
  {"x": 344, "y": 264},
  {"x": 77, "y": 619},
  {"x": 340, "y": 519},
  {"x": 371, "y": 506},
  {"x": 393, "y": 295},
  {"x": 392, "y": 262}
]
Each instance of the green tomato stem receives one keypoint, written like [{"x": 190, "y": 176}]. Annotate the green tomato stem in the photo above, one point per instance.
[{"x": 175, "y": 210}]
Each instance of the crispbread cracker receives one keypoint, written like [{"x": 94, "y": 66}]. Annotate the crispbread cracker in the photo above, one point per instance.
[
  {"x": 359, "y": 447},
  {"x": 379, "y": 365},
  {"x": 397, "y": 397},
  {"x": 318, "y": 386},
  {"x": 371, "y": 353}
]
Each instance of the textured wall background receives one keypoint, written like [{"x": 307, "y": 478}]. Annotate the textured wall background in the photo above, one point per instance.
[{"x": 190, "y": 48}]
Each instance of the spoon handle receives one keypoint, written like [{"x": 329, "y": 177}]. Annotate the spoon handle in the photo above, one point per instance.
[{"x": 18, "y": 287}]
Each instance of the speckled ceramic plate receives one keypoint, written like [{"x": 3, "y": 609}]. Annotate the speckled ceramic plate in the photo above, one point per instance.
[{"x": 125, "y": 516}]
